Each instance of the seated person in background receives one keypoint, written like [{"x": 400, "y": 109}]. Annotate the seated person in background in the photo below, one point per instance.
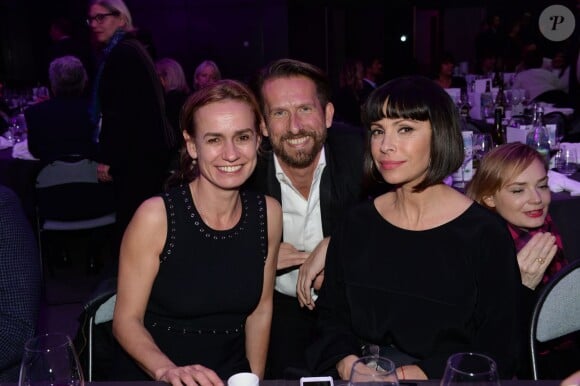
[
  {"x": 206, "y": 73},
  {"x": 373, "y": 72},
  {"x": 19, "y": 284},
  {"x": 61, "y": 125},
  {"x": 512, "y": 181},
  {"x": 346, "y": 101},
  {"x": 421, "y": 271},
  {"x": 444, "y": 73},
  {"x": 535, "y": 79},
  {"x": 4, "y": 111},
  {"x": 197, "y": 264},
  {"x": 176, "y": 92},
  {"x": 487, "y": 63}
]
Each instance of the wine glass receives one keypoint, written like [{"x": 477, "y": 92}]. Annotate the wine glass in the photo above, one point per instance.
[
  {"x": 470, "y": 368},
  {"x": 559, "y": 135},
  {"x": 566, "y": 161},
  {"x": 16, "y": 130},
  {"x": 482, "y": 143},
  {"x": 373, "y": 371},
  {"x": 50, "y": 360}
]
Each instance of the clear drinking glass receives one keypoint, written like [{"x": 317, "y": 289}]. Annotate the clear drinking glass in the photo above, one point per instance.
[
  {"x": 566, "y": 161},
  {"x": 50, "y": 360},
  {"x": 471, "y": 369},
  {"x": 373, "y": 371},
  {"x": 16, "y": 130},
  {"x": 482, "y": 143}
]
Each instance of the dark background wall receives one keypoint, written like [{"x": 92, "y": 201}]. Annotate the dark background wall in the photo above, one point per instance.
[{"x": 242, "y": 35}]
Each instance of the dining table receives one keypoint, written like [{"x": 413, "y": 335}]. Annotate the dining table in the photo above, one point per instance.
[{"x": 288, "y": 382}]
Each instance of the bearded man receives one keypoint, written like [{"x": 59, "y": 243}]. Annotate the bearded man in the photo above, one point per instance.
[{"x": 314, "y": 168}]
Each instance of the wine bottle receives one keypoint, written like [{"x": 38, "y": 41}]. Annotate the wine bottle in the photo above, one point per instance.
[
  {"x": 486, "y": 101},
  {"x": 538, "y": 137},
  {"x": 498, "y": 132},
  {"x": 500, "y": 100}
]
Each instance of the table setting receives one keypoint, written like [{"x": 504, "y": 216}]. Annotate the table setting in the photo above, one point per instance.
[{"x": 16, "y": 138}]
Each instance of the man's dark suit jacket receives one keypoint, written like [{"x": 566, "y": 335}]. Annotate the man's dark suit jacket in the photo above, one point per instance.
[
  {"x": 20, "y": 288},
  {"x": 58, "y": 127},
  {"x": 341, "y": 181}
]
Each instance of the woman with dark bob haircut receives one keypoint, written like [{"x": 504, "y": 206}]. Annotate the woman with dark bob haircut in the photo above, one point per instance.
[{"x": 421, "y": 271}]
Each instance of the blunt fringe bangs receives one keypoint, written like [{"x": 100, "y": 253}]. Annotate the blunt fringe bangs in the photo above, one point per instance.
[{"x": 421, "y": 99}]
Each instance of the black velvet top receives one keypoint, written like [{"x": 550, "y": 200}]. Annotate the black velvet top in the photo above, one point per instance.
[{"x": 428, "y": 293}]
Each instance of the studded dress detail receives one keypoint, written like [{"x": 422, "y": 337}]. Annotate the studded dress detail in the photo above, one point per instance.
[{"x": 208, "y": 283}]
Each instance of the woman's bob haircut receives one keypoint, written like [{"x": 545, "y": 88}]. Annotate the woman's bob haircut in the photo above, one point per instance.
[{"x": 420, "y": 99}]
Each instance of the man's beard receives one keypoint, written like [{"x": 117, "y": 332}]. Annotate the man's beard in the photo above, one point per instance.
[{"x": 300, "y": 159}]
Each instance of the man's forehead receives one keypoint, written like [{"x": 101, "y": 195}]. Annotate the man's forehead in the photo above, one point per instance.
[{"x": 294, "y": 87}]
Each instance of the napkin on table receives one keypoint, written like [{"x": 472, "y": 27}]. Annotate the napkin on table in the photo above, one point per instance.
[
  {"x": 559, "y": 182},
  {"x": 5, "y": 143},
  {"x": 20, "y": 151}
]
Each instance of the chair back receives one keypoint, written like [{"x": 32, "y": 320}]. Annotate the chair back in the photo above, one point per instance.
[
  {"x": 94, "y": 340},
  {"x": 557, "y": 310},
  {"x": 61, "y": 172},
  {"x": 68, "y": 190}
]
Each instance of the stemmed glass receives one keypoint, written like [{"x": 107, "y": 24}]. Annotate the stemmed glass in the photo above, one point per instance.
[
  {"x": 482, "y": 143},
  {"x": 524, "y": 97},
  {"x": 373, "y": 371},
  {"x": 16, "y": 130},
  {"x": 516, "y": 96},
  {"x": 566, "y": 160},
  {"x": 50, "y": 360},
  {"x": 470, "y": 369},
  {"x": 560, "y": 133}
]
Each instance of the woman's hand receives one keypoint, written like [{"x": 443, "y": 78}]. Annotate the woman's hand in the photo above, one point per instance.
[
  {"x": 535, "y": 257},
  {"x": 344, "y": 366},
  {"x": 103, "y": 173},
  {"x": 310, "y": 274},
  {"x": 192, "y": 375},
  {"x": 572, "y": 380},
  {"x": 411, "y": 372}
]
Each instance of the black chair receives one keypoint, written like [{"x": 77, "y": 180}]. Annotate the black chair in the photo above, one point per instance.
[
  {"x": 557, "y": 97},
  {"x": 557, "y": 311},
  {"x": 69, "y": 198},
  {"x": 94, "y": 341}
]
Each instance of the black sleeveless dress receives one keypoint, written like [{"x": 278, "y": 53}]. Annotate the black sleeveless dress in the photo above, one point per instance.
[{"x": 208, "y": 283}]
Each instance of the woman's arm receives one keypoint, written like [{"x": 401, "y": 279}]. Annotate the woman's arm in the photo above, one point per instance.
[
  {"x": 336, "y": 346},
  {"x": 311, "y": 274},
  {"x": 498, "y": 334},
  {"x": 259, "y": 321},
  {"x": 138, "y": 266}
]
